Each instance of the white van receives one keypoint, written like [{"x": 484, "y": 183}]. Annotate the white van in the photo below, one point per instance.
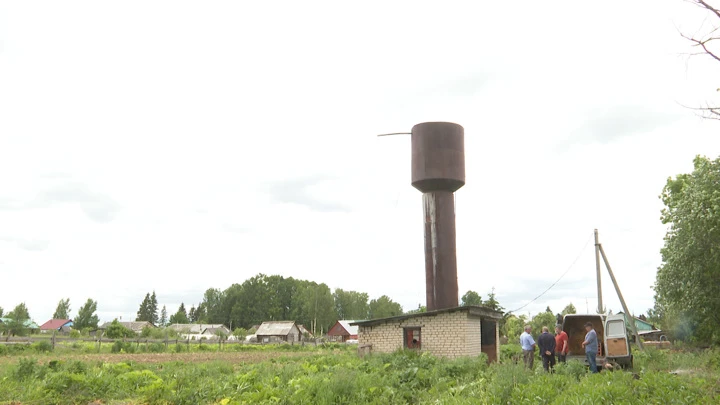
[{"x": 611, "y": 333}]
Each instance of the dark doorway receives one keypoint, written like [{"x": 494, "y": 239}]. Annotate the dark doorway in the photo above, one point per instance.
[{"x": 488, "y": 342}]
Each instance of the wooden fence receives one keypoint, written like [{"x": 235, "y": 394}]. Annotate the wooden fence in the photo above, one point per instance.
[{"x": 57, "y": 339}]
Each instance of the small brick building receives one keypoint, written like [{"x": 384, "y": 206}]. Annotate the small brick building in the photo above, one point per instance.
[{"x": 451, "y": 332}]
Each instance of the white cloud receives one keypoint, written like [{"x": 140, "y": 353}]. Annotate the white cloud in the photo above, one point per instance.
[{"x": 177, "y": 147}]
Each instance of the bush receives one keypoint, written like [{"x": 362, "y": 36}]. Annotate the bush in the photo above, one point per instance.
[
  {"x": 510, "y": 353},
  {"x": 117, "y": 347},
  {"x": 75, "y": 334},
  {"x": 156, "y": 348},
  {"x": 162, "y": 333},
  {"x": 118, "y": 331},
  {"x": 574, "y": 368},
  {"x": 76, "y": 367},
  {"x": 25, "y": 368},
  {"x": 42, "y": 346},
  {"x": 120, "y": 346}
]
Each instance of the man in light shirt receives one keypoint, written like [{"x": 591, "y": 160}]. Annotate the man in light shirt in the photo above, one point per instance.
[
  {"x": 528, "y": 347},
  {"x": 591, "y": 346}
]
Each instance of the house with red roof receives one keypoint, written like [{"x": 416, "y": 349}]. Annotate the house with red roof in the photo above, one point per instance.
[
  {"x": 55, "y": 325},
  {"x": 342, "y": 331}
]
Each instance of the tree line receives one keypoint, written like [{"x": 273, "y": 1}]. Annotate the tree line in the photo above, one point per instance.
[
  {"x": 258, "y": 299},
  {"x": 16, "y": 321},
  {"x": 275, "y": 298}
]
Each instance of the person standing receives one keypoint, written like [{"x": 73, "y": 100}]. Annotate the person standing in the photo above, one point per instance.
[
  {"x": 546, "y": 342},
  {"x": 561, "y": 344},
  {"x": 528, "y": 347},
  {"x": 591, "y": 346}
]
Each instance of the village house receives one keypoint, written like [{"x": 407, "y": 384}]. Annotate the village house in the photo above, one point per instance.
[
  {"x": 278, "y": 331},
  {"x": 136, "y": 327},
  {"x": 304, "y": 333},
  {"x": 56, "y": 325},
  {"x": 646, "y": 330},
  {"x": 450, "y": 332},
  {"x": 27, "y": 324},
  {"x": 199, "y": 331},
  {"x": 342, "y": 331}
]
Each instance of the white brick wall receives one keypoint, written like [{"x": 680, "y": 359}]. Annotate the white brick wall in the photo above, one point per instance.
[{"x": 449, "y": 334}]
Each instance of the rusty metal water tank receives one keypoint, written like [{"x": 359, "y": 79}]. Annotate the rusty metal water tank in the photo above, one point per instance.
[
  {"x": 438, "y": 156},
  {"x": 438, "y": 170}
]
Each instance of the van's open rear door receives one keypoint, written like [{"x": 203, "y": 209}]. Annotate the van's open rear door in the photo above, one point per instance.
[{"x": 616, "y": 342}]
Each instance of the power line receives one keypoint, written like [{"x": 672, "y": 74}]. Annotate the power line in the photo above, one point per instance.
[{"x": 558, "y": 280}]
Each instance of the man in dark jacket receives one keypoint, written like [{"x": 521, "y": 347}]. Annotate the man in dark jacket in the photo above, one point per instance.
[{"x": 546, "y": 342}]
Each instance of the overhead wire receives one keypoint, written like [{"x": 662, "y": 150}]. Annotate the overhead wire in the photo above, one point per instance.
[{"x": 561, "y": 277}]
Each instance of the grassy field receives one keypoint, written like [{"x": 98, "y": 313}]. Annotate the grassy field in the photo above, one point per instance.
[{"x": 334, "y": 374}]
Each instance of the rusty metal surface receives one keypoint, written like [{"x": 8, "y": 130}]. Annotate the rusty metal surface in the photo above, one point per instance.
[
  {"x": 440, "y": 257},
  {"x": 438, "y": 156}
]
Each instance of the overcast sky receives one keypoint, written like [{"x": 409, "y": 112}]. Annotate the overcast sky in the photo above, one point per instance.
[{"x": 177, "y": 146}]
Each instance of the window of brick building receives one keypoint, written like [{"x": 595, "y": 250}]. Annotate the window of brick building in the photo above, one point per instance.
[{"x": 411, "y": 338}]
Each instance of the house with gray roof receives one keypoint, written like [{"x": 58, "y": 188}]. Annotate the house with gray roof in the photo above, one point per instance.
[
  {"x": 198, "y": 331},
  {"x": 136, "y": 327},
  {"x": 278, "y": 331}
]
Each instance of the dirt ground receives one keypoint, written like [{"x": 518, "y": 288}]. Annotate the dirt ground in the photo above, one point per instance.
[{"x": 231, "y": 357}]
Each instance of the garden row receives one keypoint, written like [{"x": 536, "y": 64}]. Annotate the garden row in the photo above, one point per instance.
[{"x": 338, "y": 376}]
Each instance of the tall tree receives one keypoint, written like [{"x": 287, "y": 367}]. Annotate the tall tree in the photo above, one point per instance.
[
  {"x": 1, "y": 312},
  {"x": 471, "y": 298},
  {"x": 63, "y": 309},
  {"x": 180, "y": 316},
  {"x": 86, "y": 317},
  {"x": 281, "y": 292},
  {"x": 492, "y": 302},
  {"x": 514, "y": 327},
  {"x": 201, "y": 314},
  {"x": 655, "y": 318},
  {"x": 16, "y": 325},
  {"x": 19, "y": 313},
  {"x": 569, "y": 309},
  {"x": 153, "y": 309},
  {"x": 543, "y": 319},
  {"x": 351, "y": 304},
  {"x": 317, "y": 306},
  {"x": 163, "y": 316},
  {"x": 210, "y": 309},
  {"x": 143, "y": 313},
  {"x": 702, "y": 40},
  {"x": 192, "y": 316},
  {"x": 246, "y": 303},
  {"x": 384, "y": 307},
  {"x": 687, "y": 285}
]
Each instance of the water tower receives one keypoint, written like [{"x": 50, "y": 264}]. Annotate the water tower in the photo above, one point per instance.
[{"x": 438, "y": 170}]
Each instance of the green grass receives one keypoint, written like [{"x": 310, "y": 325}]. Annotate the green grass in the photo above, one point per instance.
[{"x": 336, "y": 375}]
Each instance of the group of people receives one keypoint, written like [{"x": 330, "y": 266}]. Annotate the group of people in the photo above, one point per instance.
[{"x": 556, "y": 347}]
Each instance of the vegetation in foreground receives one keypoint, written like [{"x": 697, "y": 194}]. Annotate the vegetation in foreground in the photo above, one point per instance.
[{"x": 338, "y": 376}]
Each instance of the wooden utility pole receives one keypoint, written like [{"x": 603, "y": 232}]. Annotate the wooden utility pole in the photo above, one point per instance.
[
  {"x": 628, "y": 315},
  {"x": 597, "y": 271}
]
